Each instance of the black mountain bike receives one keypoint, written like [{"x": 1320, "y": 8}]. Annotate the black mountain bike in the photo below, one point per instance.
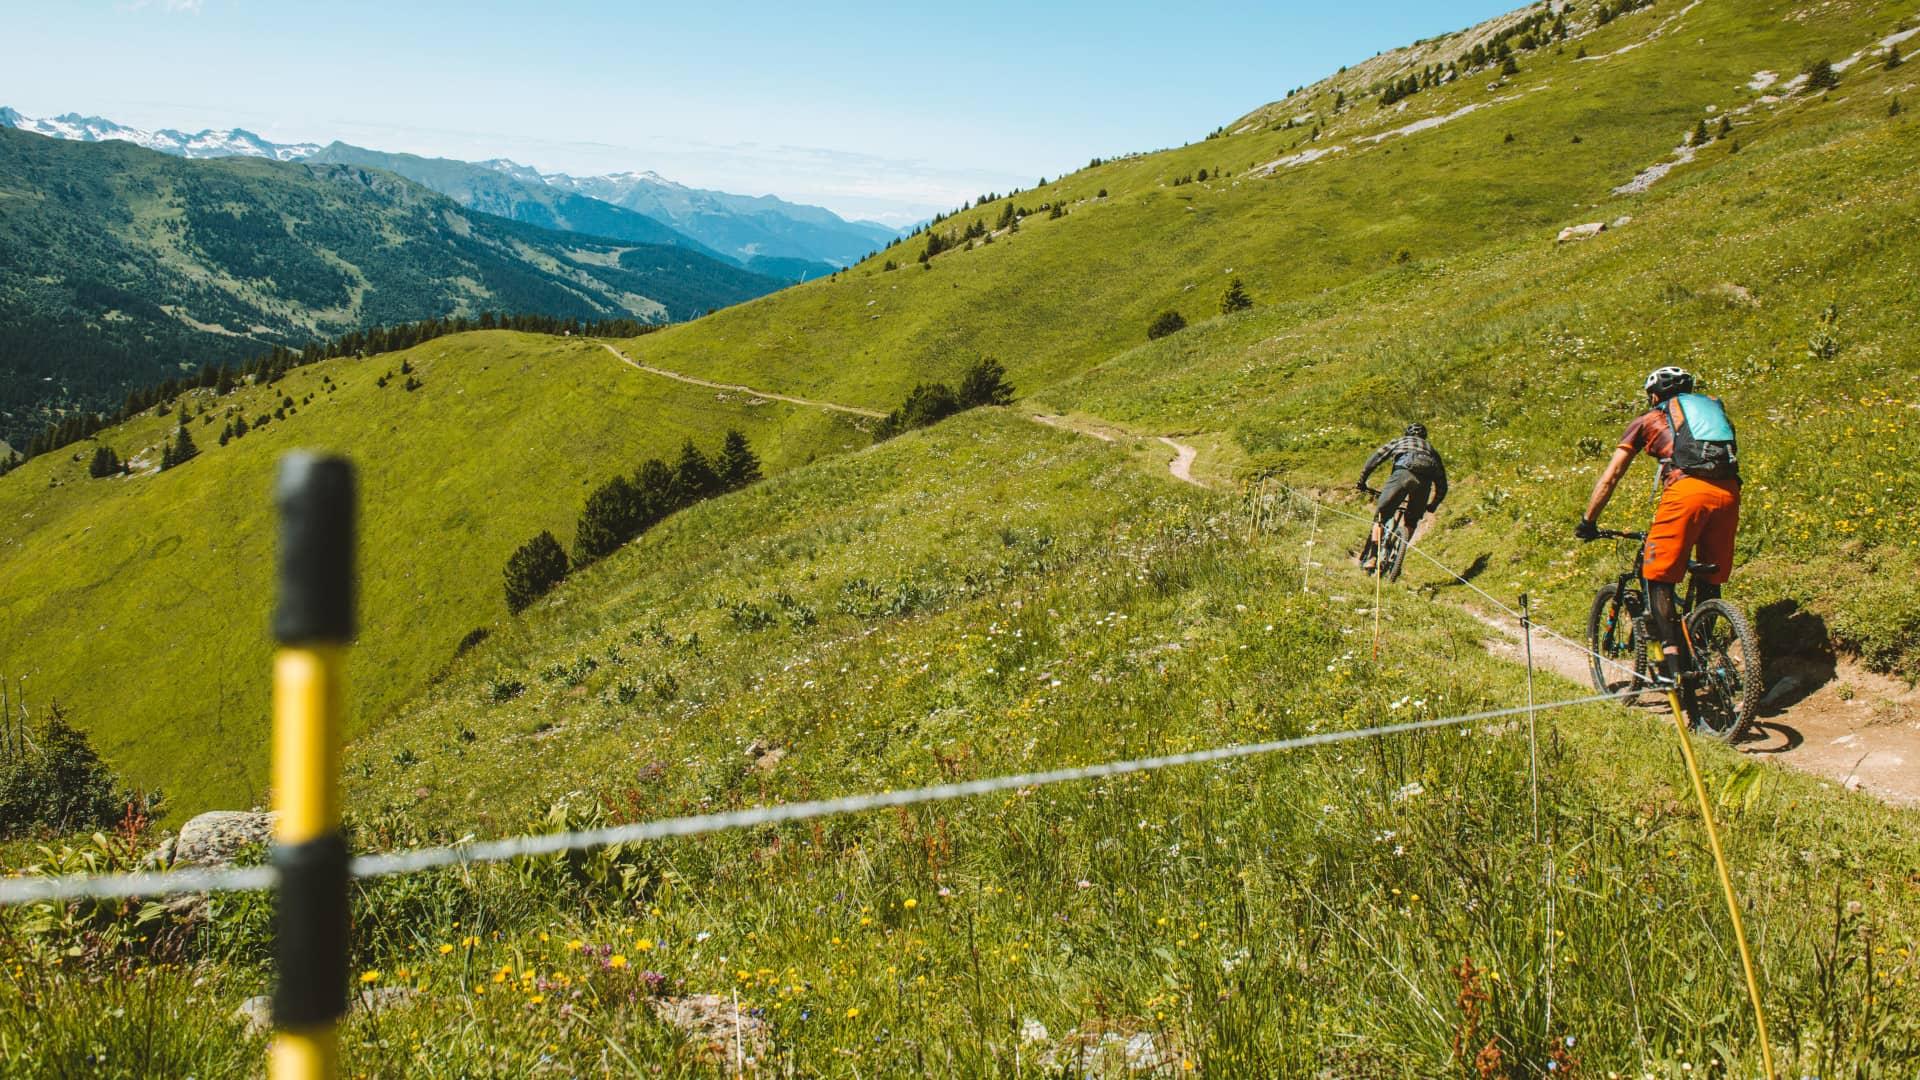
[
  {"x": 1726, "y": 654},
  {"x": 1394, "y": 539}
]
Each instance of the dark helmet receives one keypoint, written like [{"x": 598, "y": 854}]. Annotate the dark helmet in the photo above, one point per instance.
[
  {"x": 1668, "y": 381},
  {"x": 1418, "y": 431}
]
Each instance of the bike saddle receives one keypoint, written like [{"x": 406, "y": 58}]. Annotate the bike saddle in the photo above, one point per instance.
[{"x": 1702, "y": 567}]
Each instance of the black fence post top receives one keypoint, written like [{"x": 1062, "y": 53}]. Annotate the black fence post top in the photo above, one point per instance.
[{"x": 316, "y": 497}]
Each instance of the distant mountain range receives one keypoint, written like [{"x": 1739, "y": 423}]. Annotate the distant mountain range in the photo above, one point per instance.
[
  {"x": 791, "y": 240},
  {"x": 120, "y": 267},
  {"x": 237, "y": 142}
]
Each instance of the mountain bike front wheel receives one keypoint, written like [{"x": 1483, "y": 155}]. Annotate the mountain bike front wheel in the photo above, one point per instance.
[
  {"x": 1617, "y": 644},
  {"x": 1726, "y": 652}
]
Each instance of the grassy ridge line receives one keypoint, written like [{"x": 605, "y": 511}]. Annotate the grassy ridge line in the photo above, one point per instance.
[
  {"x": 155, "y": 635},
  {"x": 1062, "y": 295}
]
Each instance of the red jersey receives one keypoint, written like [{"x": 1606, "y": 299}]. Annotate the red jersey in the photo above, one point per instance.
[{"x": 1652, "y": 433}]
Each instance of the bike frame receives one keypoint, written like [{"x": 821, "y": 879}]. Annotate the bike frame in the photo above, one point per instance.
[{"x": 1636, "y": 578}]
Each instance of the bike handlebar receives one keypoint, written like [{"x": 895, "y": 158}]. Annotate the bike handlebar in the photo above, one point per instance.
[{"x": 1614, "y": 534}]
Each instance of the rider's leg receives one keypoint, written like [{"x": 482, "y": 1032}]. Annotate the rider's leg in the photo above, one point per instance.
[{"x": 1664, "y": 617}]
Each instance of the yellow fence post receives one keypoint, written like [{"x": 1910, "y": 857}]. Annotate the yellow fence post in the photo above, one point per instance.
[
  {"x": 1726, "y": 881},
  {"x": 313, "y": 622}
]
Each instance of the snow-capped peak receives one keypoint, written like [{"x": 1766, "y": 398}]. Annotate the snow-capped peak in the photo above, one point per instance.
[{"x": 237, "y": 142}]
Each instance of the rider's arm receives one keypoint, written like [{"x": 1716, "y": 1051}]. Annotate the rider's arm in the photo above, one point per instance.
[
  {"x": 1373, "y": 463},
  {"x": 1609, "y": 479},
  {"x": 1440, "y": 485}
]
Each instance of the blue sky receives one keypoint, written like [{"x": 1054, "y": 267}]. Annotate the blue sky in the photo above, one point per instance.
[{"x": 873, "y": 110}]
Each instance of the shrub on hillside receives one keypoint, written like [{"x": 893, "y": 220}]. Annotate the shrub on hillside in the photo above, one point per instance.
[
  {"x": 984, "y": 383},
  {"x": 535, "y": 568},
  {"x": 1821, "y": 77},
  {"x": 1235, "y": 299},
  {"x": 927, "y": 403},
  {"x": 1167, "y": 322},
  {"x": 52, "y": 781}
]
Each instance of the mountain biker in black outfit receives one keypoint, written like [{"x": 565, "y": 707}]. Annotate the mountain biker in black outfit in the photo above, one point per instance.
[{"x": 1418, "y": 480}]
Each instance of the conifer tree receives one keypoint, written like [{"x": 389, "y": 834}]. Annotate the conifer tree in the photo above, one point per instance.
[
  {"x": 1894, "y": 58},
  {"x": 1508, "y": 66},
  {"x": 984, "y": 383},
  {"x": 1700, "y": 134},
  {"x": 694, "y": 475},
  {"x": 105, "y": 463},
  {"x": 1236, "y": 298},
  {"x": 655, "y": 493},
  {"x": 738, "y": 466},
  {"x": 609, "y": 519},
  {"x": 1167, "y": 322},
  {"x": 183, "y": 448},
  {"x": 534, "y": 569},
  {"x": 1821, "y": 77},
  {"x": 1726, "y": 127}
]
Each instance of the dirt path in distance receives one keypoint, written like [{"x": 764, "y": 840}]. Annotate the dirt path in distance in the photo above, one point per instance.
[{"x": 738, "y": 389}]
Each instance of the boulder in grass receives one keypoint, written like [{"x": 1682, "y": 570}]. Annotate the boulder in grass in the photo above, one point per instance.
[
  {"x": 215, "y": 837},
  {"x": 1581, "y": 232}
]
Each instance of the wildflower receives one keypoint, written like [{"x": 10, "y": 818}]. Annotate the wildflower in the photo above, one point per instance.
[
  {"x": 536, "y": 999},
  {"x": 619, "y": 960},
  {"x": 853, "y": 1014},
  {"x": 369, "y": 977},
  {"x": 575, "y": 945},
  {"x": 910, "y": 903},
  {"x": 445, "y": 949},
  {"x": 643, "y": 945}
]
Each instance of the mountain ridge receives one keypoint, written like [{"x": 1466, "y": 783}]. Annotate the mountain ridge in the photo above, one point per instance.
[
  {"x": 738, "y": 227},
  {"x": 127, "y": 265}
]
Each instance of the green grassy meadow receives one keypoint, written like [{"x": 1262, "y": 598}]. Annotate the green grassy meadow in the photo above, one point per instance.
[
  {"x": 1306, "y": 913},
  {"x": 140, "y": 602},
  {"x": 993, "y": 595}
]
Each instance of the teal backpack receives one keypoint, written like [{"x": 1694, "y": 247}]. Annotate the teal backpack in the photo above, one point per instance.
[{"x": 1703, "y": 439}]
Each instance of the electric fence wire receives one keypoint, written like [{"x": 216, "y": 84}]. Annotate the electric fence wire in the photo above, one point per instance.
[
  {"x": 31, "y": 890},
  {"x": 1457, "y": 577}
]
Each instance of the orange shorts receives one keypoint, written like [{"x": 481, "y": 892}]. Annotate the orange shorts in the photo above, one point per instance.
[{"x": 1693, "y": 515}]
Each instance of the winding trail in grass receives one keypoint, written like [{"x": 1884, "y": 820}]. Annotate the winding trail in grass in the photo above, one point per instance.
[
  {"x": 831, "y": 406},
  {"x": 1833, "y": 718}
]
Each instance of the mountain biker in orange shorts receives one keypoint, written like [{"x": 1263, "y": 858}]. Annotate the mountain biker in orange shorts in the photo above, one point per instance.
[{"x": 1699, "y": 510}]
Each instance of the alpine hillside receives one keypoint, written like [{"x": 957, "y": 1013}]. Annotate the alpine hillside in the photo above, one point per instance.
[{"x": 1496, "y": 232}]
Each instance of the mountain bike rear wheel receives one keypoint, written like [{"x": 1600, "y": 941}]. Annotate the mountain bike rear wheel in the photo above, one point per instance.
[
  {"x": 1393, "y": 550},
  {"x": 1726, "y": 652},
  {"x": 1617, "y": 645}
]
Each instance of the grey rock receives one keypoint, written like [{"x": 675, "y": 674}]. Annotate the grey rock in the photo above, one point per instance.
[
  {"x": 215, "y": 837},
  {"x": 256, "y": 1013},
  {"x": 1581, "y": 232}
]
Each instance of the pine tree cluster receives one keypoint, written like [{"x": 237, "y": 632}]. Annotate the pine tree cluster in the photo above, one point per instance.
[
  {"x": 984, "y": 382},
  {"x": 624, "y": 507}
]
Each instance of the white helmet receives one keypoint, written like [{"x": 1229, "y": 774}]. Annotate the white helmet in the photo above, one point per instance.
[{"x": 1668, "y": 381}]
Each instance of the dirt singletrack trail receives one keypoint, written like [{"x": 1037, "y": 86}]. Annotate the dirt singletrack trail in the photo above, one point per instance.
[
  {"x": 853, "y": 410},
  {"x": 1830, "y": 718}
]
